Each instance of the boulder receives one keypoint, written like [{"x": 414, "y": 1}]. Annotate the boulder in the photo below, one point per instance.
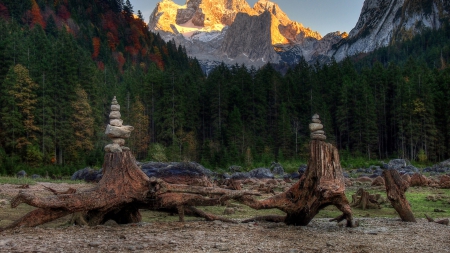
[
  {"x": 189, "y": 173},
  {"x": 235, "y": 168},
  {"x": 261, "y": 173},
  {"x": 378, "y": 181},
  {"x": 302, "y": 168},
  {"x": 293, "y": 175},
  {"x": 277, "y": 169},
  {"x": 87, "y": 174},
  {"x": 240, "y": 175},
  {"x": 397, "y": 164},
  {"x": 21, "y": 173},
  {"x": 410, "y": 168},
  {"x": 35, "y": 176},
  {"x": 419, "y": 180}
]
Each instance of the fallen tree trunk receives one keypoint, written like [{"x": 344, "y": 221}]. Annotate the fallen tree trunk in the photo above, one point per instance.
[
  {"x": 395, "y": 190},
  {"x": 320, "y": 186},
  {"x": 122, "y": 191}
]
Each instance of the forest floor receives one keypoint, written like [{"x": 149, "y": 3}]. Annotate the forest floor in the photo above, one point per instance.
[{"x": 379, "y": 231}]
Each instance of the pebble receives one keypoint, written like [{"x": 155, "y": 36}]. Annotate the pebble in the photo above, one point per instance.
[{"x": 94, "y": 244}]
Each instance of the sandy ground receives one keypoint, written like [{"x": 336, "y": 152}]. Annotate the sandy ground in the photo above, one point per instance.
[{"x": 373, "y": 235}]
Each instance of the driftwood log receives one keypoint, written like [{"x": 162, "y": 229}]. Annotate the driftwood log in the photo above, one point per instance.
[
  {"x": 321, "y": 185},
  {"x": 395, "y": 190},
  {"x": 122, "y": 191},
  {"x": 443, "y": 222}
]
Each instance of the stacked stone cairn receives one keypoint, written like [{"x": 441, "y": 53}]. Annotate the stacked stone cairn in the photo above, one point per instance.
[
  {"x": 116, "y": 131},
  {"x": 316, "y": 129}
]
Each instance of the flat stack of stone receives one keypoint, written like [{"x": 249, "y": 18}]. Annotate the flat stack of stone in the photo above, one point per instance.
[
  {"x": 116, "y": 131},
  {"x": 316, "y": 129}
]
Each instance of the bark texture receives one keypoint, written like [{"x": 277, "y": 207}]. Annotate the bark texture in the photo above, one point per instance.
[
  {"x": 122, "y": 191},
  {"x": 395, "y": 190},
  {"x": 321, "y": 185}
]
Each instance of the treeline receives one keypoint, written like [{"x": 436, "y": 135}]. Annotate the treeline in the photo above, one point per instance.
[
  {"x": 57, "y": 83},
  {"x": 61, "y": 64}
]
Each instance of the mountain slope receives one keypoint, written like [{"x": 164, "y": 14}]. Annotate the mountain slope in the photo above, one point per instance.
[
  {"x": 384, "y": 21},
  {"x": 202, "y": 27}
]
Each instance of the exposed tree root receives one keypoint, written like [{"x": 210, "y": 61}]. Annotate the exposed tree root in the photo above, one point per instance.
[{"x": 321, "y": 185}]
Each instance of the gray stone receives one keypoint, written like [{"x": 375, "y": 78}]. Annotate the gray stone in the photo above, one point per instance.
[
  {"x": 115, "y": 107},
  {"x": 118, "y": 132},
  {"x": 316, "y": 121},
  {"x": 116, "y": 122},
  {"x": 21, "y": 173},
  {"x": 314, "y": 127},
  {"x": 235, "y": 168},
  {"x": 315, "y": 116},
  {"x": 119, "y": 141},
  {"x": 261, "y": 173},
  {"x": 320, "y": 137},
  {"x": 397, "y": 164},
  {"x": 125, "y": 148},
  {"x": 277, "y": 168},
  {"x": 94, "y": 244},
  {"x": 113, "y": 148},
  {"x": 318, "y": 132},
  {"x": 114, "y": 115}
]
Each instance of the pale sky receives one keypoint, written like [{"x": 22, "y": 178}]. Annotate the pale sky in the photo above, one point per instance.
[{"x": 323, "y": 16}]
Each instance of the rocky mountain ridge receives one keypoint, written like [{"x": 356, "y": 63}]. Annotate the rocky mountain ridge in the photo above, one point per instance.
[
  {"x": 383, "y": 22},
  {"x": 231, "y": 31}
]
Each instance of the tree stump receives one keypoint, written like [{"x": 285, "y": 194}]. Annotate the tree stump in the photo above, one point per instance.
[
  {"x": 362, "y": 199},
  {"x": 122, "y": 191},
  {"x": 321, "y": 185},
  {"x": 395, "y": 190}
]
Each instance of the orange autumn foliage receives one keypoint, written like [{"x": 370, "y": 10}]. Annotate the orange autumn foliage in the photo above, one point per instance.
[
  {"x": 96, "y": 45},
  {"x": 36, "y": 14}
]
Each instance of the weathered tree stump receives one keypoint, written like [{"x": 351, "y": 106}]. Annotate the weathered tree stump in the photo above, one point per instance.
[
  {"x": 362, "y": 199},
  {"x": 321, "y": 185},
  {"x": 395, "y": 190},
  {"x": 122, "y": 191}
]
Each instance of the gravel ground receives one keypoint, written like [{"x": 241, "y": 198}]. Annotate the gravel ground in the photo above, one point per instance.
[{"x": 373, "y": 235}]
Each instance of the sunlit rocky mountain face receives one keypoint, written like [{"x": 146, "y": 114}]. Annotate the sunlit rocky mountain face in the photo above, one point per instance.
[{"x": 232, "y": 31}]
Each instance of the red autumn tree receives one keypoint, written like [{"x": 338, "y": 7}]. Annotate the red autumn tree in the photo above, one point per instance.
[
  {"x": 36, "y": 14},
  {"x": 96, "y": 45}
]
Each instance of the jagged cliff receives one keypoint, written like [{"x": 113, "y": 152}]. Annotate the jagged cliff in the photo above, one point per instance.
[
  {"x": 233, "y": 32},
  {"x": 230, "y": 30},
  {"x": 250, "y": 36},
  {"x": 384, "y": 21}
]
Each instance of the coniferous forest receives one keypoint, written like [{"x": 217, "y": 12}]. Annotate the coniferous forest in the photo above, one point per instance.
[{"x": 63, "y": 61}]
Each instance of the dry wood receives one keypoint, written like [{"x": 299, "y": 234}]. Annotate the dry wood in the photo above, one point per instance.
[
  {"x": 55, "y": 192},
  {"x": 443, "y": 222},
  {"x": 321, "y": 185},
  {"x": 395, "y": 190},
  {"x": 122, "y": 191},
  {"x": 362, "y": 199}
]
